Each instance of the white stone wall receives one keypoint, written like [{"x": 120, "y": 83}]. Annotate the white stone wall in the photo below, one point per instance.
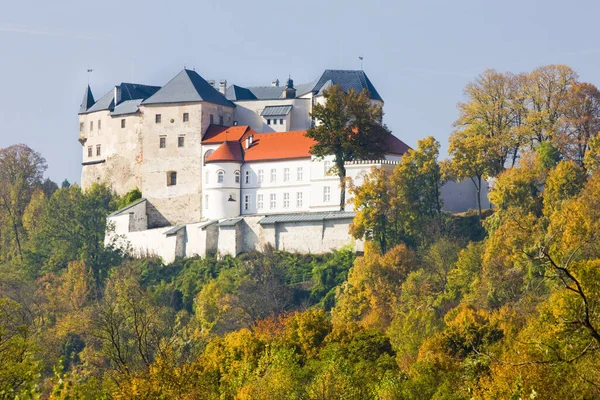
[
  {"x": 216, "y": 195},
  {"x": 248, "y": 112}
]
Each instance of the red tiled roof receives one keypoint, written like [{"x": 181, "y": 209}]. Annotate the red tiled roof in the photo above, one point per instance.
[
  {"x": 228, "y": 151},
  {"x": 279, "y": 146},
  {"x": 393, "y": 145},
  {"x": 221, "y": 134}
]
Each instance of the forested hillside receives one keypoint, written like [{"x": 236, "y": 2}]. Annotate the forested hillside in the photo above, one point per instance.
[{"x": 492, "y": 304}]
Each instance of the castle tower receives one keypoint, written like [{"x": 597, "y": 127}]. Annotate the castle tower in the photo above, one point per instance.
[{"x": 222, "y": 182}]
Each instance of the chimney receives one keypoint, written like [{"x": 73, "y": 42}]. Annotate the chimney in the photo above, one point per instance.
[
  {"x": 275, "y": 83},
  {"x": 211, "y": 83},
  {"x": 223, "y": 86},
  {"x": 117, "y": 94}
]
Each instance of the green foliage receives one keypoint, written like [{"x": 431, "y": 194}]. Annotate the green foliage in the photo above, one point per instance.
[{"x": 127, "y": 199}]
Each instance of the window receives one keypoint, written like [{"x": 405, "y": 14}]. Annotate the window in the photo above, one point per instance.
[
  {"x": 212, "y": 119},
  {"x": 268, "y": 122},
  {"x": 220, "y": 120},
  {"x": 99, "y": 124},
  {"x": 275, "y": 121},
  {"x": 281, "y": 121},
  {"x": 259, "y": 201},
  {"x": 98, "y": 152},
  {"x": 220, "y": 176},
  {"x": 327, "y": 167},
  {"x": 299, "y": 200},
  {"x": 186, "y": 117},
  {"x": 326, "y": 194},
  {"x": 286, "y": 174},
  {"x": 207, "y": 154},
  {"x": 91, "y": 126},
  {"x": 171, "y": 178},
  {"x": 180, "y": 141},
  {"x": 273, "y": 175},
  {"x": 81, "y": 127},
  {"x": 123, "y": 123},
  {"x": 273, "y": 202},
  {"x": 236, "y": 174},
  {"x": 157, "y": 118},
  {"x": 261, "y": 176},
  {"x": 207, "y": 177},
  {"x": 247, "y": 202},
  {"x": 286, "y": 200},
  {"x": 299, "y": 172},
  {"x": 247, "y": 177},
  {"x": 90, "y": 151},
  {"x": 206, "y": 202},
  {"x": 162, "y": 142}
]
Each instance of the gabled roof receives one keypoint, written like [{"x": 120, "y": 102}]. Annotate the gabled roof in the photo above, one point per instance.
[
  {"x": 126, "y": 107},
  {"x": 276, "y": 111},
  {"x": 393, "y": 145},
  {"x": 279, "y": 146},
  {"x": 135, "y": 91},
  {"x": 347, "y": 80},
  {"x": 88, "y": 100},
  {"x": 106, "y": 102},
  {"x": 228, "y": 151},
  {"x": 220, "y": 134},
  {"x": 235, "y": 92},
  {"x": 188, "y": 87}
]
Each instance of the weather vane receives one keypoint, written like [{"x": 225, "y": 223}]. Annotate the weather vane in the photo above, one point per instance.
[
  {"x": 89, "y": 71},
  {"x": 361, "y": 62}
]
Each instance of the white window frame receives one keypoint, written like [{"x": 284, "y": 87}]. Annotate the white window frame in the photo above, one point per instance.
[
  {"x": 261, "y": 176},
  {"x": 286, "y": 174},
  {"x": 220, "y": 176},
  {"x": 299, "y": 199},
  {"x": 286, "y": 200},
  {"x": 260, "y": 202},
  {"x": 236, "y": 174},
  {"x": 273, "y": 201},
  {"x": 300, "y": 174},
  {"x": 326, "y": 194},
  {"x": 273, "y": 175}
]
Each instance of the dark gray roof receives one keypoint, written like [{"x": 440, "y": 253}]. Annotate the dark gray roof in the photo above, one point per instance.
[
  {"x": 235, "y": 92},
  {"x": 307, "y": 217},
  {"x": 348, "y": 80},
  {"x": 186, "y": 87},
  {"x": 272, "y": 111},
  {"x": 126, "y": 107},
  {"x": 135, "y": 91},
  {"x": 126, "y": 208},
  {"x": 129, "y": 91},
  {"x": 106, "y": 102},
  {"x": 230, "y": 222},
  {"x": 88, "y": 100}
]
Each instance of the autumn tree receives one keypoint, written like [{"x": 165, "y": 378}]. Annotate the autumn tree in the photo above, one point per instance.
[
  {"x": 349, "y": 127},
  {"x": 21, "y": 173}
]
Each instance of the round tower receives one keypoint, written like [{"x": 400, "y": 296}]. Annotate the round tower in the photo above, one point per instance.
[{"x": 222, "y": 182}]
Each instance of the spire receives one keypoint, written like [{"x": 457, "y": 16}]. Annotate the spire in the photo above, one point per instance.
[{"x": 88, "y": 100}]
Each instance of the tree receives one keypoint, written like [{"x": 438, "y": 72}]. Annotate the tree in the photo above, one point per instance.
[
  {"x": 349, "y": 127},
  {"x": 474, "y": 156},
  {"x": 21, "y": 172},
  {"x": 581, "y": 120}
]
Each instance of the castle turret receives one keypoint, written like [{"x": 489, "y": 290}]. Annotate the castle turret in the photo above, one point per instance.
[
  {"x": 222, "y": 182},
  {"x": 88, "y": 100},
  {"x": 289, "y": 92}
]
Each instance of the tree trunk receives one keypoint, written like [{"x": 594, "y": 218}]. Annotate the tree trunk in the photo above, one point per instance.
[
  {"x": 478, "y": 189},
  {"x": 342, "y": 175}
]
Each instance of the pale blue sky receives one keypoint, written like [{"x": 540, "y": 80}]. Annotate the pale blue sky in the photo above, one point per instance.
[{"x": 418, "y": 54}]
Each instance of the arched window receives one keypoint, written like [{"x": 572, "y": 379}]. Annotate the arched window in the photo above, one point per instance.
[
  {"x": 237, "y": 176},
  {"x": 206, "y": 178},
  {"x": 206, "y": 155},
  {"x": 220, "y": 176}
]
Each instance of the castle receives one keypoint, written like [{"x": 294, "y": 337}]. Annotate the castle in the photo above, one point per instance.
[{"x": 223, "y": 168}]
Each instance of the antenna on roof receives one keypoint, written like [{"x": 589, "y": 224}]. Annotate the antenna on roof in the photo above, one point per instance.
[
  {"x": 89, "y": 71},
  {"x": 361, "y": 62}
]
